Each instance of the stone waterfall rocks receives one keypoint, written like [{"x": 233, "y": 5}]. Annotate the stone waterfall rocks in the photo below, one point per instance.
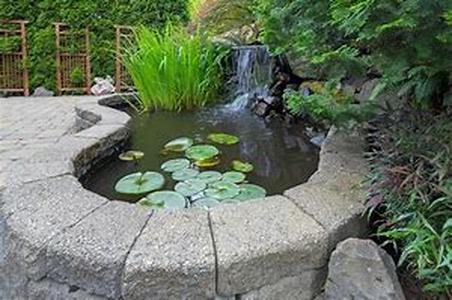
[{"x": 359, "y": 269}]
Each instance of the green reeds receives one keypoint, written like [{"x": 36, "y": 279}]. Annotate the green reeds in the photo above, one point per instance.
[{"x": 173, "y": 69}]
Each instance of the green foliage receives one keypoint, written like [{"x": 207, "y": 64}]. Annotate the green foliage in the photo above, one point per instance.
[
  {"x": 331, "y": 105},
  {"x": 412, "y": 182},
  {"x": 10, "y": 44},
  {"x": 220, "y": 16},
  {"x": 407, "y": 43},
  {"x": 77, "y": 76},
  {"x": 173, "y": 69},
  {"x": 101, "y": 16}
]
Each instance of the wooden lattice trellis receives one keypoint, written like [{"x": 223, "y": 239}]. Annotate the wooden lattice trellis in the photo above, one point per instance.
[
  {"x": 73, "y": 68},
  {"x": 13, "y": 56},
  {"x": 122, "y": 77}
]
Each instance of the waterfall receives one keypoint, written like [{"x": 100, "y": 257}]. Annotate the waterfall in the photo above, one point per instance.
[{"x": 253, "y": 73}]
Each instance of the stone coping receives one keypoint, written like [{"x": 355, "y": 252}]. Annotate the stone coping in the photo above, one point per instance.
[{"x": 61, "y": 241}]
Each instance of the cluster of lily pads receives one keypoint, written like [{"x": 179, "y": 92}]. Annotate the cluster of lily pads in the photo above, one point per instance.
[{"x": 196, "y": 184}]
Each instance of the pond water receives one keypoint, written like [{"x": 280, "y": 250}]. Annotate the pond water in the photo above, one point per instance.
[{"x": 281, "y": 154}]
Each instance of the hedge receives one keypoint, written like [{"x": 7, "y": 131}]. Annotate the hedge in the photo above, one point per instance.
[{"x": 100, "y": 16}]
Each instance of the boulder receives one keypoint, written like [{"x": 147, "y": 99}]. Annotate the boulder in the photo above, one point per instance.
[
  {"x": 359, "y": 269},
  {"x": 42, "y": 92},
  {"x": 262, "y": 109},
  {"x": 301, "y": 67}
]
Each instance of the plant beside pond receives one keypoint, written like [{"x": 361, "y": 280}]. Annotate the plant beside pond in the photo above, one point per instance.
[
  {"x": 195, "y": 182},
  {"x": 173, "y": 69}
]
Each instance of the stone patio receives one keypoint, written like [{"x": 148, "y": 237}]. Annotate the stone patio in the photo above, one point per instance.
[{"x": 60, "y": 241}]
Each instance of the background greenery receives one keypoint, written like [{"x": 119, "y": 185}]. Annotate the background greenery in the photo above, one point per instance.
[
  {"x": 405, "y": 43},
  {"x": 99, "y": 15}
]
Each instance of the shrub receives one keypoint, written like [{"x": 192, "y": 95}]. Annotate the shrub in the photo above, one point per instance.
[
  {"x": 406, "y": 43},
  {"x": 173, "y": 69},
  {"x": 412, "y": 193},
  {"x": 99, "y": 15},
  {"x": 330, "y": 104}
]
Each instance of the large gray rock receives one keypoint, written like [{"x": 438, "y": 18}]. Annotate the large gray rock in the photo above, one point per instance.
[
  {"x": 359, "y": 269},
  {"x": 259, "y": 242},
  {"x": 42, "y": 92},
  {"x": 172, "y": 259}
]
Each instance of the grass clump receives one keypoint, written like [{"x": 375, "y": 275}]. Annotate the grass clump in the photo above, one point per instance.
[
  {"x": 173, "y": 69},
  {"x": 412, "y": 194}
]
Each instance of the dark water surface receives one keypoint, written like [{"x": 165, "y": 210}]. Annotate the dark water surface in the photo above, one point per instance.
[{"x": 281, "y": 154}]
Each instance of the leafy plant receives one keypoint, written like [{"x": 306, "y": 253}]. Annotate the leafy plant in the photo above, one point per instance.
[
  {"x": 330, "y": 104},
  {"x": 405, "y": 43},
  {"x": 173, "y": 69},
  {"x": 77, "y": 77},
  {"x": 412, "y": 192}
]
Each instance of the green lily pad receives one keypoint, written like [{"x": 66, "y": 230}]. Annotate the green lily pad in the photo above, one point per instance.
[
  {"x": 190, "y": 187},
  {"x": 175, "y": 165},
  {"x": 131, "y": 155},
  {"x": 170, "y": 199},
  {"x": 201, "y": 152},
  {"x": 240, "y": 166},
  {"x": 234, "y": 177},
  {"x": 208, "y": 163},
  {"x": 145, "y": 202},
  {"x": 209, "y": 176},
  {"x": 185, "y": 174},
  {"x": 223, "y": 138},
  {"x": 179, "y": 145},
  {"x": 222, "y": 190},
  {"x": 250, "y": 191},
  {"x": 139, "y": 183},
  {"x": 206, "y": 202}
]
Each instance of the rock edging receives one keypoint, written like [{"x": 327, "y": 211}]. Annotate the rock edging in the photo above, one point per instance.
[{"x": 58, "y": 236}]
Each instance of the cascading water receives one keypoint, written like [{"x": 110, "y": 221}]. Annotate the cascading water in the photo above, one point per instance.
[{"x": 253, "y": 70}]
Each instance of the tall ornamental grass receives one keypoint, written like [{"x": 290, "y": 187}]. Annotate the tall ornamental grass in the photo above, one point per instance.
[{"x": 173, "y": 69}]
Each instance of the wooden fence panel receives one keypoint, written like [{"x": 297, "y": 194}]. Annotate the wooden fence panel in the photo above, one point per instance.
[
  {"x": 123, "y": 81},
  {"x": 73, "y": 68},
  {"x": 13, "y": 57}
]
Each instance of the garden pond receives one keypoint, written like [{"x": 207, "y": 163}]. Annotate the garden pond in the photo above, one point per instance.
[{"x": 218, "y": 154}]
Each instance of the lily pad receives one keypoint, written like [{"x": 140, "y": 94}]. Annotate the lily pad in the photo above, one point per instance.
[
  {"x": 139, "y": 183},
  {"x": 206, "y": 202},
  {"x": 175, "y": 165},
  {"x": 222, "y": 190},
  {"x": 223, "y": 138},
  {"x": 131, "y": 155},
  {"x": 201, "y": 152},
  {"x": 190, "y": 187},
  {"x": 185, "y": 174},
  {"x": 208, "y": 163},
  {"x": 170, "y": 199},
  {"x": 234, "y": 177},
  {"x": 241, "y": 166},
  {"x": 179, "y": 145},
  {"x": 250, "y": 191},
  {"x": 145, "y": 202},
  {"x": 209, "y": 176}
]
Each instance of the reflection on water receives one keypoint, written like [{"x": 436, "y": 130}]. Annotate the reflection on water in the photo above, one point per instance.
[{"x": 281, "y": 154}]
